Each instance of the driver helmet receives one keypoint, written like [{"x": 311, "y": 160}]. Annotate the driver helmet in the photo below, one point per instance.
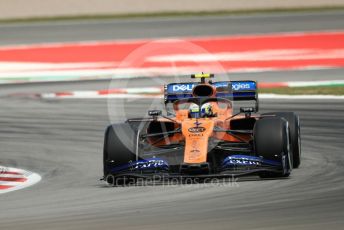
[
  {"x": 206, "y": 110},
  {"x": 194, "y": 111}
]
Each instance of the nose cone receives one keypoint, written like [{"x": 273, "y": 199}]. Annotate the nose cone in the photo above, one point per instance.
[{"x": 196, "y": 135}]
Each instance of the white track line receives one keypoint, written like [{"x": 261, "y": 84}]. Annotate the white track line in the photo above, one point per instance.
[
  {"x": 308, "y": 97},
  {"x": 315, "y": 83},
  {"x": 144, "y": 96},
  {"x": 156, "y": 92}
]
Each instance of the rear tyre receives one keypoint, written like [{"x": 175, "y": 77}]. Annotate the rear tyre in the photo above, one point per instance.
[
  {"x": 271, "y": 141},
  {"x": 295, "y": 135},
  {"x": 119, "y": 146}
]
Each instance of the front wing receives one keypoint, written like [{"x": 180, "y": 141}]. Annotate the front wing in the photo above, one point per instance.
[{"x": 231, "y": 166}]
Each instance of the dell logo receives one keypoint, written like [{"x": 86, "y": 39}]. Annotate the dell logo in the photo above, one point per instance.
[{"x": 187, "y": 87}]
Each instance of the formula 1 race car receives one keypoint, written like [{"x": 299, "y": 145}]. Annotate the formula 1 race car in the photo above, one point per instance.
[{"x": 202, "y": 137}]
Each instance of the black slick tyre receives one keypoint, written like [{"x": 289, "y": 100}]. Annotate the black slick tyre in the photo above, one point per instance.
[
  {"x": 119, "y": 146},
  {"x": 295, "y": 135},
  {"x": 271, "y": 141}
]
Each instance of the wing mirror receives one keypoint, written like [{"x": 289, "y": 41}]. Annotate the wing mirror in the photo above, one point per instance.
[
  {"x": 154, "y": 113},
  {"x": 247, "y": 111}
]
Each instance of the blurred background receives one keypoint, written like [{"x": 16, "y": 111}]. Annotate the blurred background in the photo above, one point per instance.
[
  {"x": 16, "y": 9},
  {"x": 69, "y": 68}
]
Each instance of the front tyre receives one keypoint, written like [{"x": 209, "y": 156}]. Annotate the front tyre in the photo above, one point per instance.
[
  {"x": 295, "y": 135},
  {"x": 119, "y": 147},
  {"x": 271, "y": 141}
]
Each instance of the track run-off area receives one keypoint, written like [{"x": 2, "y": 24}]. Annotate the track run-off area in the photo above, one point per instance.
[{"x": 62, "y": 140}]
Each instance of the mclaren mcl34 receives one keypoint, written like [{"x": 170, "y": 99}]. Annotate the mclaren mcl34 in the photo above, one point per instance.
[{"x": 200, "y": 136}]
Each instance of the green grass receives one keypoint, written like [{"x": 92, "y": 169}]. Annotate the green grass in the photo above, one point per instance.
[
  {"x": 317, "y": 90},
  {"x": 170, "y": 14}
]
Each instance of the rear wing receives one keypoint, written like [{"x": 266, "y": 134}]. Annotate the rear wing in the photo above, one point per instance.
[{"x": 231, "y": 90}]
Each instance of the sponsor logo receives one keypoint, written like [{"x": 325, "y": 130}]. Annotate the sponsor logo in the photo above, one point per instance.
[
  {"x": 196, "y": 129},
  {"x": 194, "y": 151},
  {"x": 194, "y": 154},
  {"x": 183, "y": 87},
  {"x": 243, "y": 162},
  {"x": 197, "y": 123},
  {"x": 187, "y": 87},
  {"x": 196, "y": 135},
  {"x": 243, "y": 86},
  {"x": 149, "y": 164},
  {"x": 220, "y": 84}
]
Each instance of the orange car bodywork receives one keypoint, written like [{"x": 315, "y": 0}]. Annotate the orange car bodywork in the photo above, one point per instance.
[{"x": 197, "y": 131}]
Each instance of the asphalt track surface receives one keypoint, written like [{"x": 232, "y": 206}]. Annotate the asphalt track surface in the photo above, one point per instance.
[
  {"x": 62, "y": 140},
  {"x": 168, "y": 27}
]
